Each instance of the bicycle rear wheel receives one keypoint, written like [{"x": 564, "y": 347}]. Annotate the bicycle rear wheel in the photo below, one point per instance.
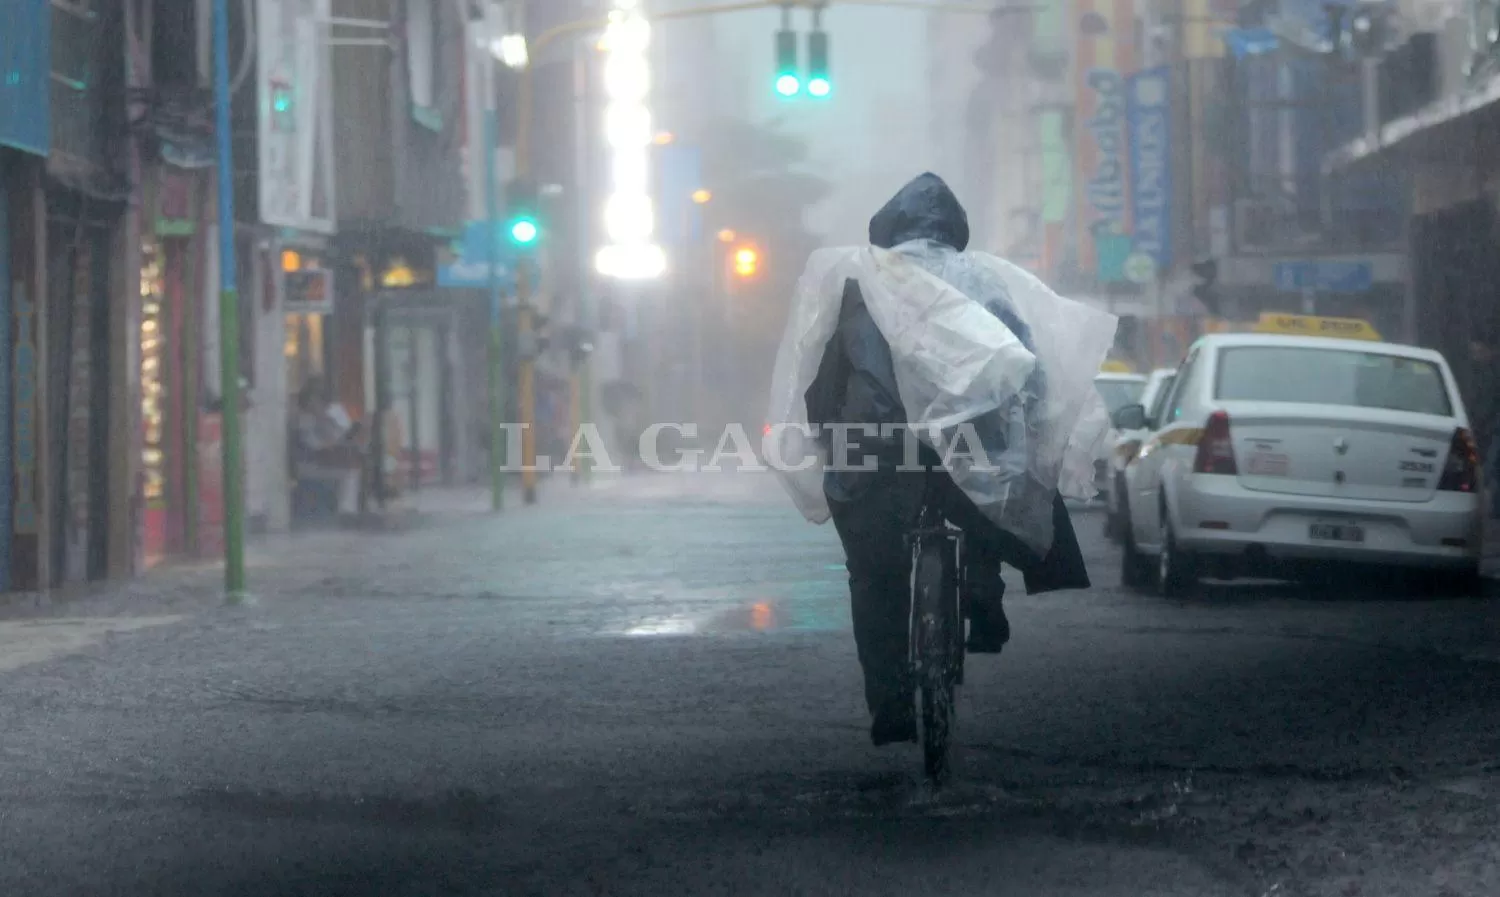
[
  {"x": 937, "y": 730},
  {"x": 937, "y": 644}
]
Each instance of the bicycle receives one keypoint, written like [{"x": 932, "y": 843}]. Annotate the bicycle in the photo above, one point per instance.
[{"x": 936, "y": 627}]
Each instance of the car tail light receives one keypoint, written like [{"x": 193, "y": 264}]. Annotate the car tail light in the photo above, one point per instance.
[
  {"x": 1461, "y": 472},
  {"x": 1215, "y": 448}
]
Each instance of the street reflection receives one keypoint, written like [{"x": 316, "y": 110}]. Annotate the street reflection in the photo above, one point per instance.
[
  {"x": 761, "y": 617},
  {"x": 680, "y": 625}
]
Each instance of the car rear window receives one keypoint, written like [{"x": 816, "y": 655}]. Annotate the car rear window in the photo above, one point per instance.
[
  {"x": 1316, "y": 376},
  {"x": 1119, "y": 393}
]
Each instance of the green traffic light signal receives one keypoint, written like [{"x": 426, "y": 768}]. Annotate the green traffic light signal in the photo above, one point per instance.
[
  {"x": 818, "y": 83},
  {"x": 523, "y": 222},
  {"x": 788, "y": 79},
  {"x": 524, "y": 231}
]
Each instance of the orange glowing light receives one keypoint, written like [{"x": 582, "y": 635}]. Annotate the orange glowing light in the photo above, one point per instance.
[
  {"x": 727, "y": 236},
  {"x": 761, "y": 616},
  {"x": 291, "y": 260},
  {"x": 746, "y": 261}
]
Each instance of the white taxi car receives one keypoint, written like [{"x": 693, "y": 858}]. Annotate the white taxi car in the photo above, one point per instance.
[
  {"x": 1118, "y": 389},
  {"x": 1274, "y": 453},
  {"x": 1125, "y": 441}
]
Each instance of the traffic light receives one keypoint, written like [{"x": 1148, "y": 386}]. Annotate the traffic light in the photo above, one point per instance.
[
  {"x": 788, "y": 73},
  {"x": 1206, "y": 290},
  {"x": 1365, "y": 32},
  {"x": 746, "y": 262},
  {"x": 818, "y": 83},
  {"x": 522, "y": 223},
  {"x": 282, "y": 117}
]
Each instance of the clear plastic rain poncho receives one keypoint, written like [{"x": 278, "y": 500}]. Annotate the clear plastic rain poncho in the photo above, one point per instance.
[{"x": 955, "y": 364}]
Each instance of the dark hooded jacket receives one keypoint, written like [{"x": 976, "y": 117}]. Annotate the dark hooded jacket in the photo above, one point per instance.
[{"x": 856, "y": 381}]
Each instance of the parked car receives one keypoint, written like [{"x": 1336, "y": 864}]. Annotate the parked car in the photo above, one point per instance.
[
  {"x": 1117, "y": 389},
  {"x": 1127, "y": 438},
  {"x": 1274, "y": 455}
]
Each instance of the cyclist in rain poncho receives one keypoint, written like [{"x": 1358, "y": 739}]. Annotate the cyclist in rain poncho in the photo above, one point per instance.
[{"x": 916, "y": 337}]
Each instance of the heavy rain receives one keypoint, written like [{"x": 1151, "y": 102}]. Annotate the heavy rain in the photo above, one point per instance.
[{"x": 490, "y": 447}]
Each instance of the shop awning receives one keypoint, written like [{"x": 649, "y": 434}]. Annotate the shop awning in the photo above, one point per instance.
[{"x": 1481, "y": 96}]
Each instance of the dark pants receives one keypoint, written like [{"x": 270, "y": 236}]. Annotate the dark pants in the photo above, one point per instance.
[{"x": 873, "y": 527}]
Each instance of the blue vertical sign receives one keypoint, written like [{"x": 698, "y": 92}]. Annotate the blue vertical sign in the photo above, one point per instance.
[
  {"x": 26, "y": 75},
  {"x": 1148, "y": 111}
]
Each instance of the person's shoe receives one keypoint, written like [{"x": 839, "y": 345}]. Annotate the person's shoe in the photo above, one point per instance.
[
  {"x": 989, "y": 630},
  {"x": 894, "y": 723}
]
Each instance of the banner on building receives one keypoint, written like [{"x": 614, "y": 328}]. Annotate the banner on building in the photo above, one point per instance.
[
  {"x": 294, "y": 106},
  {"x": 1149, "y": 116},
  {"x": 1050, "y": 41},
  {"x": 26, "y": 75},
  {"x": 1205, "y": 23},
  {"x": 1105, "y": 51}
]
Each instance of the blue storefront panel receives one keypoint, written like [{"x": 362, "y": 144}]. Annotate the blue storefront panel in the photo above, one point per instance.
[{"x": 25, "y": 75}]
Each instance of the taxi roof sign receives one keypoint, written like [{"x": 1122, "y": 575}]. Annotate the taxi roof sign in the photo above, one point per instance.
[
  {"x": 1115, "y": 367},
  {"x": 1311, "y": 325}
]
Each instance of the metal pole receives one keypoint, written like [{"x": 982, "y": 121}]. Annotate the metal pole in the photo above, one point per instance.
[
  {"x": 582, "y": 386},
  {"x": 699, "y": 309},
  {"x": 527, "y": 384},
  {"x": 229, "y": 321},
  {"x": 526, "y": 380},
  {"x": 497, "y": 369}
]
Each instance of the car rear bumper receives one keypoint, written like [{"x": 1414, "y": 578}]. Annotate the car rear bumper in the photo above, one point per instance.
[{"x": 1215, "y": 515}]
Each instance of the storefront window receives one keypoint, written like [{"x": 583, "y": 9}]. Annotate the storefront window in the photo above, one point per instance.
[{"x": 153, "y": 392}]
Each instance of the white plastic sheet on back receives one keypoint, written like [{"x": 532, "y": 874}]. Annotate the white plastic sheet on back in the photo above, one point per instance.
[{"x": 954, "y": 361}]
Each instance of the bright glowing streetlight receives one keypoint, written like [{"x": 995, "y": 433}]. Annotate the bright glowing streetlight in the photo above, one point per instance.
[
  {"x": 702, "y": 196},
  {"x": 511, "y": 50},
  {"x": 629, "y": 216}
]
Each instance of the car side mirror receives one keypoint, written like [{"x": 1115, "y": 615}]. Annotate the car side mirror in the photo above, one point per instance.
[{"x": 1130, "y": 417}]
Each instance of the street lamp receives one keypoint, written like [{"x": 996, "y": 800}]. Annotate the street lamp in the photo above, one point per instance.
[
  {"x": 511, "y": 50},
  {"x": 629, "y": 216},
  {"x": 702, "y": 197}
]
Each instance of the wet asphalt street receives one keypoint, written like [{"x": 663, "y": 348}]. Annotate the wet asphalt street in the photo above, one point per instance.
[{"x": 650, "y": 687}]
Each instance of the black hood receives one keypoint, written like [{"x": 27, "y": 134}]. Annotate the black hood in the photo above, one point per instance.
[{"x": 925, "y": 209}]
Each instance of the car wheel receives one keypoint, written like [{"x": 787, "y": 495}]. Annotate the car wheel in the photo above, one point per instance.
[
  {"x": 1118, "y": 522},
  {"x": 1136, "y": 569},
  {"x": 1174, "y": 572}
]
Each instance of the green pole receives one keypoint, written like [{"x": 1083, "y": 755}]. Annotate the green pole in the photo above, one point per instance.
[
  {"x": 229, "y": 321},
  {"x": 497, "y": 371}
]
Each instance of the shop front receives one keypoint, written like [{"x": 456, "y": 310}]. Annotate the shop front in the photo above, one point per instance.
[{"x": 172, "y": 282}]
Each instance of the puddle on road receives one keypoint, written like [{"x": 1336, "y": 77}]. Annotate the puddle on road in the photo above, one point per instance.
[
  {"x": 760, "y": 615},
  {"x": 663, "y": 626}
]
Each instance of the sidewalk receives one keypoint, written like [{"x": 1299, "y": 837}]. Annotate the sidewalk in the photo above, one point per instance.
[{"x": 183, "y": 586}]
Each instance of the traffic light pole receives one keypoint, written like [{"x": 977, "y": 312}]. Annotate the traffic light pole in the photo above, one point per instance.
[
  {"x": 229, "y": 322},
  {"x": 581, "y": 386},
  {"x": 496, "y": 366}
]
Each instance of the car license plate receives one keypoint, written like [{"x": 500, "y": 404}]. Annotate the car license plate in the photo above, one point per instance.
[
  {"x": 1268, "y": 464},
  {"x": 1336, "y": 532}
]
